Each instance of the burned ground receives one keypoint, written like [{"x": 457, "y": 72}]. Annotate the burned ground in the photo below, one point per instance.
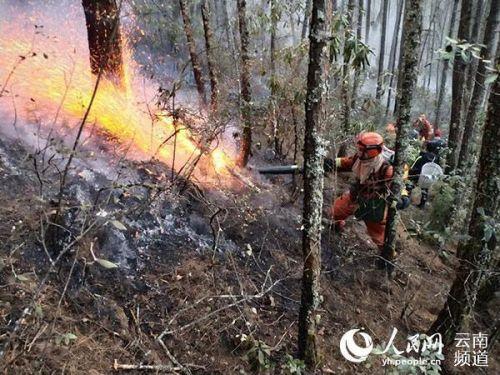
[{"x": 218, "y": 272}]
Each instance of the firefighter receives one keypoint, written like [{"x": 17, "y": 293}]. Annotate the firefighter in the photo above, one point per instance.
[
  {"x": 430, "y": 155},
  {"x": 368, "y": 195},
  {"x": 424, "y": 128}
]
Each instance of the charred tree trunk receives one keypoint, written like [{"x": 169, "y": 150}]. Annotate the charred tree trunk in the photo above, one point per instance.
[
  {"x": 476, "y": 255},
  {"x": 413, "y": 26},
  {"x": 314, "y": 148},
  {"x": 458, "y": 88},
  {"x": 368, "y": 21},
  {"x": 307, "y": 16},
  {"x": 381, "y": 57},
  {"x": 392, "y": 57},
  {"x": 479, "y": 86},
  {"x": 246, "y": 141},
  {"x": 214, "y": 84},
  {"x": 446, "y": 67},
  {"x": 103, "y": 30},
  {"x": 195, "y": 63}
]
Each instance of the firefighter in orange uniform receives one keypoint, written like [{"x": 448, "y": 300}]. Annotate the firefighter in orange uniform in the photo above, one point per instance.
[
  {"x": 367, "y": 197},
  {"x": 424, "y": 128}
]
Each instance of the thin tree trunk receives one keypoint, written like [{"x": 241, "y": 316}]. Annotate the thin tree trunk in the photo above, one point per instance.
[
  {"x": 227, "y": 27},
  {"x": 195, "y": 63},
  {"x": 314, "y": 147},
  {"x": 476, "y": 255},
  {"x": 307, "y": 16},
  {"x": 344, "y": 89},
  {"x": 413, "y": 27},
  {"x": 359, "y": 27},
  {"x": 246, "y": 142},
  {"x": 446, "y": 66},
  {"x": 274, "y": 121},
  {"x": 399, "y": 81},
  {"x": 392, "y": 57},
  {"x": 430, "y": 54},
  {"x": 101, "y": 18},
  {"x": 214, "y": 85},
  {"x": 458, "y": 88},
  {"x": 381, "y": 57},
  {"x": 368, "y": 21},
  {"x": 479, "y": 86}
]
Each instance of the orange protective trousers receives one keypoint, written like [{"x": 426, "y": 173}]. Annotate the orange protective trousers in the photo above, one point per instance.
[{"x": 344, "y": 206}]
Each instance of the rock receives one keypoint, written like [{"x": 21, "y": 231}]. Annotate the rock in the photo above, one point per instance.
[{"x": 113, "y": 245}]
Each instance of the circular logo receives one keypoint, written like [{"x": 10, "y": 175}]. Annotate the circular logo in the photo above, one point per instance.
[{"x": 352, "y": 351}]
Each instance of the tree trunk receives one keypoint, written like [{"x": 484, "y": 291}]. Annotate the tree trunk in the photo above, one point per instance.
[
  {"x": 472, "y": 68},
  {"x": 104, "y": 36},
  {"x": 476, "y": 255},
  {"x": 458, "y": 88},
  {"x": 446, "y": 66},
  {"x": 272, "y": 63},
  {"x": 227, "y": 26},
  {"x": 399, "y": 80},
  {"x": 307, "y": 16},
  {"x": 344, "y": 89},
  {"x": 246, "y": 141},
  {"x": 314, "y": 148},
  {"x": 381, "y": 57},
  {"x": 368, "y": 21},
  {"x": 392, "y": 57},
  {"x": 479, "y": 86},
  {"x": 197, "y": 72},
  {"x": 359, "y": 27},
  {"x": 413, "y": 27},
  {"x": 214, "y": 85}
]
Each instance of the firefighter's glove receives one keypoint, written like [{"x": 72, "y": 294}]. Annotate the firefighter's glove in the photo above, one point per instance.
[{"x": 403, "y": 203}]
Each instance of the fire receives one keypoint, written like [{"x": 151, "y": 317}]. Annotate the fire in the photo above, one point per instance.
[{"x": 47, "y": 71}]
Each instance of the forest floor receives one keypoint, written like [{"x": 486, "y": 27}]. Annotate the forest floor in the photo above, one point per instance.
[{"x": 218, "y": 306}]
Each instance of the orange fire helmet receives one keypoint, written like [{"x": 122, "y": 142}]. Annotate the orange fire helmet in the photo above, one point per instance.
[{"x": 370, "y": 144}]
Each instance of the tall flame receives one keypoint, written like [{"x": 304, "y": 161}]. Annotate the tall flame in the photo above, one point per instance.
[{"x": 46, "y": 71}]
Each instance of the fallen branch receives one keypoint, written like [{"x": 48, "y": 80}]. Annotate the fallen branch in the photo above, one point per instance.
[{"x": 118, "y": 366}]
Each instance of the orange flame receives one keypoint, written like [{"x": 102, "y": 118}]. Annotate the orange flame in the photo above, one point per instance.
[{"x": 47, "y": 74}]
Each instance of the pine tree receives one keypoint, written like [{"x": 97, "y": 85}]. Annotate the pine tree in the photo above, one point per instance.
[
  {"x": 214, "y": 84},
  {"x": 314, "y": 148},
  {"x": 477, "y": 254},
  {"x": 458, "y": 88},
  {"x": 413, "y": 27},
  {"x": 195, "y": 63},
  {"x": 246, "y": 141},
  {"x": 381, "y": 57},
  {"x": 479, "y": 87},
  {"x": 446, "y": 66}
]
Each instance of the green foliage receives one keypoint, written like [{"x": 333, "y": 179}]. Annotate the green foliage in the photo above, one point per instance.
[
  {"x": 293, "y": 366},
  {"x": 66, "y": 338},
  {"x": 258, "y": 354},
  {"x": 442, "y": 205}
]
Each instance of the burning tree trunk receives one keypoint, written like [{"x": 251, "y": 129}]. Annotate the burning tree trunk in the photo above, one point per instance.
[
  {"x": 314, "y": 148},
  {"x": 380, "y": 80},
  {"x": 246, "y": 142},
  {"x": 477, "y": 254},
  {"x": 413, "y": 27},
  {"x": 479, "y": 87},
  {"x": 197, "y": 72},
  {"x": 103, "y": 29},
  {"x": 458, "y": 88},
  {"x": 392, "y": 57},
  {"x": 446, "y": 66},
  {"x": 214, "y": 86}
]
